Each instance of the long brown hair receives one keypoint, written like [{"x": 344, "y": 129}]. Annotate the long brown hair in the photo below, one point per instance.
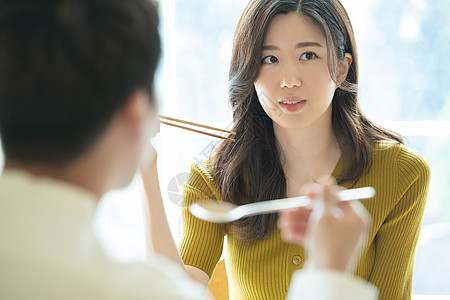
[{"x": 250, "y": 170}]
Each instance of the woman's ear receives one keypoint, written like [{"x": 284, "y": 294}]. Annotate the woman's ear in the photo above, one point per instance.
[{"x": 344, "y": 66}]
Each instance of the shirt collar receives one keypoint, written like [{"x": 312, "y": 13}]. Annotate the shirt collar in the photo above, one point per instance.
[{"x": 50, "y": 193}]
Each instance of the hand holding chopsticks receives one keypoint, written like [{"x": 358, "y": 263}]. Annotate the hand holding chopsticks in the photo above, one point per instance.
[{"x": 172, "y": 122}]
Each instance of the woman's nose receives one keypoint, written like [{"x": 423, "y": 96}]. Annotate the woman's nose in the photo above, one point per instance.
[{"x": 290, "y": 77}]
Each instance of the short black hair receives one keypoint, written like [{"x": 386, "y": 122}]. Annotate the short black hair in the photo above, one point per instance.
[{"x": 66, "y": 67}]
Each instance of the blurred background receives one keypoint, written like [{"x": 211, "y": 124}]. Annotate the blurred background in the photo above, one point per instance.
[{"x": 403, "y": 48}]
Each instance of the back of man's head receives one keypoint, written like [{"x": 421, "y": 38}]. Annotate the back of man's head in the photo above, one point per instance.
[{"x": 66, "y": 67}]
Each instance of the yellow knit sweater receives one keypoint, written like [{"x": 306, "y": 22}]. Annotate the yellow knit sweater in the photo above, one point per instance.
[{"x": 263, "y": 269}]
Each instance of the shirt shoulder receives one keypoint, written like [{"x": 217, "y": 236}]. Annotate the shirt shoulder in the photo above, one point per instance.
[
  {"x": 404, "y": 162},
  {"x": 157, "y": 278},
  {"x": 201, "y": 180},
  {"x": 94, "y": 277},
  {"x": 395, "y": 168}
]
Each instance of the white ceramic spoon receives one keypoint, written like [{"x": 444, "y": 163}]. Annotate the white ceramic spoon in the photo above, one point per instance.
[{"x": 223, "y": 212}]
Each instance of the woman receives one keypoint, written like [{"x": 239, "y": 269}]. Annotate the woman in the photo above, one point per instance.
[{"x": 293, "y": 89}]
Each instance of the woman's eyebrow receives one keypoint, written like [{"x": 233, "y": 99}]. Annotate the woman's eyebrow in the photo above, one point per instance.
[
  {"x": 299, "y": 45},
  {"x": 308, "y": 44}
]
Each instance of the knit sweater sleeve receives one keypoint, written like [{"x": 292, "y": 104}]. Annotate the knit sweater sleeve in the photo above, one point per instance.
[
  {"x": 201, "y": 242},
  {"x": 397, "y": 237}
]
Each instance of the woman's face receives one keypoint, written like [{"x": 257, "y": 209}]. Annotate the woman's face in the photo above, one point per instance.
[{"x": 294, "y": 85}]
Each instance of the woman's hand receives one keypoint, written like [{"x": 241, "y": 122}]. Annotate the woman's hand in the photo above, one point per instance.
[{"x": 332, "y": 232}]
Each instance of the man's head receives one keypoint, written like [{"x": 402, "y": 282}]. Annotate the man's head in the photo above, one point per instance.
[{"x": 67, "y": 67}]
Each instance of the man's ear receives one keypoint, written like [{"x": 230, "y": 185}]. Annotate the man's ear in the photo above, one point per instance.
[
  {"x": 135, "y": 111},
  {"x": 344, "y": 66}
]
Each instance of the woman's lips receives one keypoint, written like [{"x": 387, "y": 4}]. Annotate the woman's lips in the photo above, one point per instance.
[{"x": 292, "y": 104}]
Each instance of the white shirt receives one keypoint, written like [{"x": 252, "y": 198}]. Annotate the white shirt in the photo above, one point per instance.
[
  {"x": 329, "y": 285},
  {"x": 48, "y": 249}
]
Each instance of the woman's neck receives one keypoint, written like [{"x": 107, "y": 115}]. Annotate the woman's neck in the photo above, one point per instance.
[{"x": 308, "y": 153}]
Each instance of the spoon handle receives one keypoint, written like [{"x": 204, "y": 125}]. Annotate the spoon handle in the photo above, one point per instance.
[
  {"x": 355, "y": 194},
  {"x": 273, "y": 205},
  {"x": 294, "y": 202}
]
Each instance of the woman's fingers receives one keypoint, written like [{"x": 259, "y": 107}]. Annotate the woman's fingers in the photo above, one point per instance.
[{"x": 293, "y": 224}]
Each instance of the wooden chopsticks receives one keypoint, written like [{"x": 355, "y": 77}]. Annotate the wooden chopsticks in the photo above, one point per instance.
[{"x": 168, "y": 121}]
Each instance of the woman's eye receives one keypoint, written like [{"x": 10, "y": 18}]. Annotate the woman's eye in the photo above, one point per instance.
[
  {"x": 270, "y": 59},
  {"x": 308, "y": 56}
]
